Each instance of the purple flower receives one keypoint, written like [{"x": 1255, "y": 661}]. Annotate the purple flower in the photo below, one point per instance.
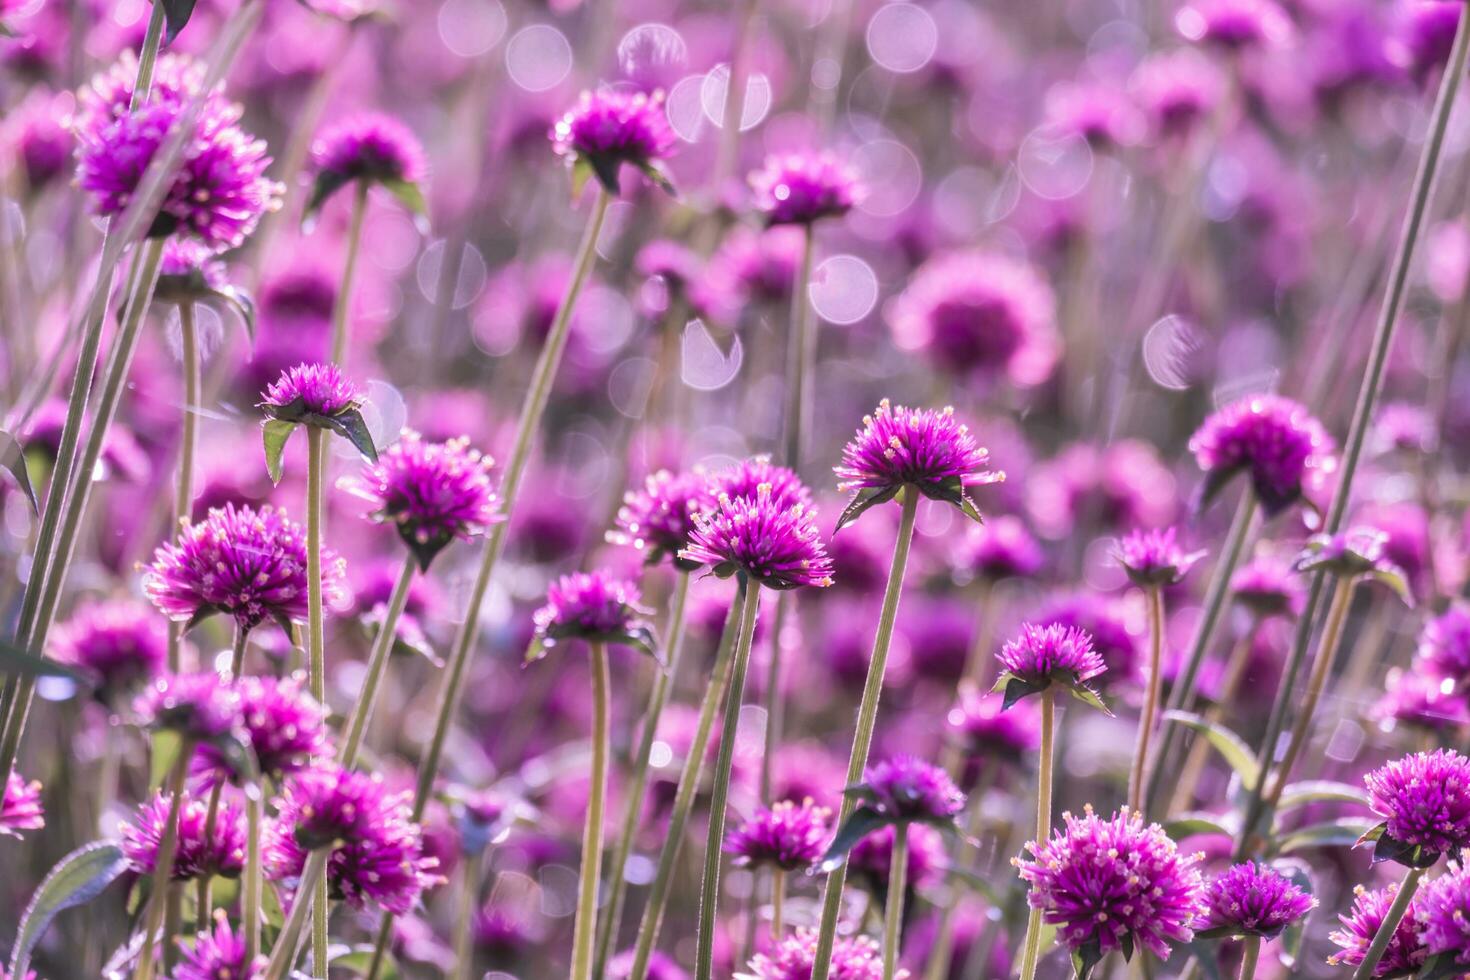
[
  {"x": 1102, "y": 620},
  {"x": 369, "y": 146},
  {"x": 661, "y": 966},
  {"x": 247, "y": 563},
  {"x": 310, "y": 389},
  {"x": 778, "y": 547},
  {"x": 217, "y": 953},
  {"x": 608, "y": 128},
  {"x": 800, "y": 188},
  {"x": 871, "y": 859},
  {"x": 1234, "y": 24},
  {"x": 1268, "y": 587},
  {"x": 1444, "y": 646},
  {"x": 992, "y": 734},
  {"x": 176, "y": 77},
  {"x": 906, "y": 788},
  {"x": 659, "y": 519},
  {"x": 1002, "y": 547},
  {"x": 904, "y": 447},
  {"x": 1416, "y": 699},
  {"x": 1424, "y": 799},
  {"x": 744, "y": 480},
  {"x": 1404, "y": 954},
  {"x": 1251, "y": 899},
  {"x": 190, "y": 271},
  {"x": 20, "y": 806},
  {"x": 1177, "y": 90},
  {"x": 1109, "y": 884},
  {"x": 433, "y": 492},
  {"x": 1441, "y": 915},
  {"x": 284, "y": 724},
  {"x": 377, "y": 851},
  {"x": 118, "y": 644},
  {"x": 1099, "y": 112},
  {"x": 1273, "y": 439},
  {"x": 198, "y": 706},
  {"x": 853, "y": 958},
  {"x": 1356, "y": 552},
  {"x": 784, "y": 835},
  {"x": 1046, "y": 655},
  {"x": 596, "y": 607},
  {"x": 202, "y": 851},
  {"x": 1153, "y": 558}
]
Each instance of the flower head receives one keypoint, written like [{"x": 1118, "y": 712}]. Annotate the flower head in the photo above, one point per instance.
[
  {"x": 786, "y": 835},
  {"x": 1251, "y": 899},
  {"x": 199, "y": 706},
  {"x": 1177, "y": 90},
  {"x": 744, "y": 480},
  {"x": 659, "y": 519},
  {"x": 596, "y": 607},
  {"x": 1413, "y": 698},
  {"x": 931, "y": 451},
  {"x": 218, "y": 953},
  {"x": 201, "y": 850},
  {"x": 871, "y": 859},
  {"x": 906, "y": 788},
  {"x": 1444, "y": 646},
  {"x": 318, "y": 389},
  {"x": 1268, "y": 587},
  {"x": 1441, "y": 914},
  {"x": 800, "y": 188},
  {"x": 991, "y": 734},
  {"x": 433, "y": 492},
  {"x": 778, "y": 547},
  {"x": 117, "y": 644},
  {"x": 20, "y": 806},
  {"x": 853, "y": 958},
  {"x": 1002, "y": 547},
  {"x": 1046, "y": 655},
  {"x": 1273, "y": 439},
  {"x": 1355, "y": 553},
  {"x": 285, "y": 726},
  {"x": 608, "y": 128},
  {"x": 1112, "y": 883},
  {"x": 248, "y": 563},
  {"x": 370, "y": 147},
  {"x": 1154, "y": 558},
  {"x": 1404, "y": 954},
  {"x": 1424, "y": 800},
  {"x": 1234, "y": 24}
]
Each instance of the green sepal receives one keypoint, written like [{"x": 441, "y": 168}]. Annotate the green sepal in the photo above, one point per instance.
[
  {"x": 606, "y": 169},
  {"x": 274, "y": 433},
  {"x": 176, "y": 14},
  {"x": 862, "y": 822},
  {"x": 1388, "y": 848},
  {"x": 1085, "y": 959},
  {"x": 862, "y": 500},
  {"x": 659, "y": 178},
  {"x": 13, "y": 458},
  {"x": 1089, "y": 697},
  {"x": 349, "y": 424},
  {"x": 581, "y": 173},
  {"x": 951, "y": 490},
  {"x": 327, "y": 183},
  {"x": 424, "y": 549},
  {"x": 411, "y": 196},
  {"x": 1441, "y": 967}
]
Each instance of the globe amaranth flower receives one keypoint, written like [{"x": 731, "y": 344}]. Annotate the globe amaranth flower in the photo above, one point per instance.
[
  {"x": 794, "y": 956},
  {"x": 1424, "y": 800},
  {"x": 593, "y": 606},
  {"x": 432, "y": 492},
  {"x": 217, "y": 953},
  {"x": 1102, "y": 618},
  {"x": 661, "y": 966},
  {"x": 106, "y": 98},
  {"x": 1354, "y": 553},
  {"x": 117, "y": 644},
  {"x": 200, "y": 707},
  {"x": 979, "y": 313},
  {"x": 1443, "y": 651},
  {"x": 250, "y": 564},
  {"x": 870, "y": 861},
  {"x": 1045, "y": 655},
  {"x": 778, "y": 547},
  {"x": 1154, "y": 558},
  {"x": 1099, "y": 112},
  {"x": 377, "y": 856},
  {"x": 20, "y": 806},
  {"x": 659, "y": 519},
  {"x": 1273, "y": 439},
  {"x": 1268, "y": 586},
  {"x": 786, "y": 835},
  {"x": 608, "y": 128},
  {"x": 1234, "y": 24},
  {"x": 897, "y": 448},
  {"x": 905, "y": 789},
  {"x": 744, "y": 480},
  {"x": 318, "y": 395},
  {"x": 1404, "y": 954},
  {"x": 1251, "y": 899},
  {"x": 992, "y": 735},
  {"x": 202, "y": 850},
  {"x": 372, "y": 148},
  {"x": 1177, "y": 90},
  {"x": 1003, "y": 547},
  {"x": 1441, "y": 915},
  {"x": 1420, "y": 701},
  {"x": 800, "y": 188},
  {"x": 284, "y": 725},
  {"x": 1114, "y": 883}
]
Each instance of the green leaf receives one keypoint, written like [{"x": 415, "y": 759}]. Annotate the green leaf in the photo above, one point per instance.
[
  {"x": 1016, "y": 689},
  {"x": 349, "y": 425},
  {"x": 1441, "y": 967},
  {"x": 176, "y": 14},
  {"x": 327, "y": 183},
  {"x": 581, "y": 173},
  {"x": 864, "y": 821},
  {"x": 1194, "y": 825},
  {"x": 75, "y": 880},
  {"x": 357, "y": 959},
  {"x": 1085, "y": 959},
  {"x": 862, "y": 500},
  {"x": 274, "y": 433},
  {"x": 1320, "y": 791},
  {"x": 1230, "y": 745},
  {"x": 167, "y": 744},
  {"x": 1332, "y": 833},
  {"x": 659, "y": 178},
  {"x": 1088, "y": 696},
  {"x": 16, "y": 660},
  {"x": 411, "y": 196},
  {"x": 535, "y": 651},
  {"x": 13, "y": 458},
  {"x": 606, "y": 168},
  {"x": 1393, "y": 577}
]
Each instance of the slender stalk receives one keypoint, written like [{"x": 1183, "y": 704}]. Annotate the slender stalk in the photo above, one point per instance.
[
  {"x": 148, "y": 58},
  {"x": 1390, "y": 923},
  {"x": 1032, "y": 950},
  {"x": 163, "y": 864},
  {"x": 689, "y": 779},
  {"x": 585, "y": 929},
  {"x": 252, "y": 893},
  {"x": 1250, "y": 956},
  {"x": 800, "y": 354},
  {"x": 1146, "y": 719},
  {"x": 638, "y": 776},
  {"x": 316, "y": 649},
  {"x": 342, "y": 307},
  {"x": 898, "y": 873},
  {"x": 188, "y": 437},
  {"x": 283, "y": 954},
  {"x": 464, "y": 938},
  {"x": 778, "y": 903},
  {"x": 713, "y": 848},
  {"x": 367, "y": 698},
  {"x": 866, "y": 720}
]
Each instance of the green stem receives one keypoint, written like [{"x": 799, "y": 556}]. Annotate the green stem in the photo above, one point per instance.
[
  {"x": 188, "y": 439},
  {"x": 800, "y": 354},
  {"x": 367, "y": 698},
  {"x": 585, "y": 928},
  {"x": 342, "y": 307},
  {"x": 283, "y": 953},
  {"x": 714, "y": 840},
  {"x": 866, "y": 721},
  {"x": 684, "y": 795},
  {"x": 252, "y": 893},
  {"x": 1390, "y": 923},
  {"x": 1155, "y": 597},
  {"x": 898, "y": 873},
  {"x": 778, "y": 903},
  {"x": 1032, "y": 950},
  {"x": 148, "y": 58},
  {"x": 163, "y": 864},
  {"x": 316, "y": 650},
  {"x": 1250, "y": 956},
  {"x": 638, "y": 777}
]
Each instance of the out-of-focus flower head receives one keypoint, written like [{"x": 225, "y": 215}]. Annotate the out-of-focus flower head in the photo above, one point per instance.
[
  {"x": 597, "y": 607},
  {"x": 217, "y": 953},
  {"x": 1153, "y": 558},
  {"x": 608, "y": 128},
  {"x": 1177, "y": 90},
  {"x": 777, "y": 546},
  {"x": 1424, "y": 800},
  {"x": 372, "y": 148},
  {"x": 755, "y": 266},
  {"x": 1420, "y": 701},
  {"x": 1003, "y": 547},
  {"x": 659, "y": 519},
  {"x": 1404, "y": 954},
  {"x": 1444, "y": 647},
  {"x": 785, "y": 835},
  {"x": 120, "y": 450},
  {"x": 1405, "y": 529},
  {"x": 283, "y": 723},
  {"x": 1098, "y": 112},
  {"x": 200, "y": 707},
  {"x": 1273, "y": 439},
  {"x": 1045, "y": 655},
  {"x": 793, "y": 958},
  {"x": 1355, "y": 553},
  {"x": 1250, "y": 899},
  {"x": 35, "y": 140},
  {"x": 1123, "y": 486},
  {"x": 1423, "y": 36},
  {"x": 1268, "y": 586},
  {"x": 871, "y": 859},
  {"x": 201, "y": 849},
  {"x": 20, "y": 806},
  {"x": 802, "y": 188},
  {"x": 1235, "y": 25},
  {"x": 117, "y": 644},
  {"x": 905, "y": 789},
  {"x": 991, "y": 734},
  {"x": 1441, "y": 914},
  {"x": 1402, "y": 426}
]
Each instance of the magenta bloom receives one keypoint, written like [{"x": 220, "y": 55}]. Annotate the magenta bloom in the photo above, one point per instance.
[
  {"x": 1441, "y": 915},
  {"x": 1002, "y": 547},
  {"x": 800, "y": 188},
  {"x": 20, "y": 806},
  {"x": 199, "y": 706},
  {"x": 1268, "y": 587},
  {"x": 1251, "y": 899},
  {"x": 284, "y": 724},
  {"x": 785, "y": 836},
  {"x": 1234, "y": 24},
  {"x": 903, "y": 447},
  {"x": 596, "y": 607},
  {"x": 199, "y": 854},
  {"x": 1420, "y": 700},
  {"x": 871, "y": 859},
  {"x": 433, "y": 492},
  {"x": 778, "y": 547},
  {"x": 1112, "y": 884},
  {"x": 608, "y": 128},
  {"x": 853, "y": 958},
  {"x": 1177, "y": 90},
  {"x": 1154, "y": 558},
  {"x": 906, "y": 788},
  {"x": 1424, "y": 799},
  {"x": 311, "y": 389},
  {"x": 1046, "y": 655},
  {"x": 217, "y": 954},
  {"x": 1404, "y": 954},
  {"x": 377, "y": 851},
  {"x": 744, "y": 480},
  {"x": 117, "y": 644},
  {"x": 247, "y": 563},
  {"x": 1444, "y": 646},
  {"x": 659, "y": 519},
  {"x": 1273, "y": 439},
  {"x": 369, "y": 146},
  {"x": 992, "y": 734}
]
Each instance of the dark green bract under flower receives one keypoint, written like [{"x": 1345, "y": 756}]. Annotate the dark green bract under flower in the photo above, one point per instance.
[{"x": 591, "y": 606}]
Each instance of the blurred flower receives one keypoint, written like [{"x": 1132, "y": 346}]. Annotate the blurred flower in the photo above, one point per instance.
[
  {"x": 785, "y": 835},
  {"x": 1358, "y": 551},
  {"x": 853, "y": 958},
  {"x": 1153, "y": 558},
  {"x": 906, "y": 788},
  {"x": 319, "y": 389},
  {"x": 218, "y": 953},
  {"x": 1444, "y": 646},
  {"x": 1404, "y": 953},
  {"x": 1273, "y": 439},
  {"x": 285, "y": 726},
  {"x": 203, "y": 850},
  {"x": 992, "y": 734},
  {"x": 608, "y": 128},
  {"x": 1002, "y": 547},
  {"x": 1234, "y": 24},
  {"x": 1268, "y": 586},
  {"x": 369, "y": 147},
  {"x": 1419, "y": 700},
  {"x": 744, "y": 480},
  {"x": 1045, "y": 655},
  {"x": 117, "y": 644},
  {"x": 871, "y": 859},
  {"x": 1251, "y": 899},
  {"x": 34, "y": 138},
  {"x": 1097, "y": 112},
  {"x": 801, "y": 188},
  {"x": 1101, "y": 619},
  {"x": 777, "y": 546},
  {"x": 1424, "y": 799},
  {"x": 595, "y": 607},
  {"x": 659, "y": 519},
  {"x": 199, "y": 706},
  {"x": 1177, "y": 90},
  {"x": 1441, "y": 914},
  {"x": 20, "y": 806}
]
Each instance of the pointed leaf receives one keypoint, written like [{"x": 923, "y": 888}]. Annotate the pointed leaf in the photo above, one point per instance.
[
  {"x": 659, "y": 178},
  {"x": 1230, "y": 745},
  {"x": 176, "y": 13},
  {"x": 167, "y": 744},
  {"x": 606, "y": 168},
  {"x": 1126, "y": 943},
  {"x": 75, "y": 880},
  {"x": 1333, "y": 833},
  {"x": 237, "y": 753},
  {"x": 1389, "y": 848},
  {"x": 1016, "y": 689},
  {"x": 1195, "y": 825},
  {"x": 13, "y": 458},
  {"x": 274, "y": 433},
  {"x": 535, "y": 651},
  {"x": 581, "y": 173},
  {"x": 1441, "y": 967},
  {"x": 1215, "y": 481},
  {"x": 1089, "y": 697},
  {"x": 424, "y": 549},
  {"x": 1085, "y": 959},
  {"x": 864, "y": 821},
  {"x": 1396, "y": 580},
  {"x": 861, "y": 501},
  {"x": 411, "y": 196},
  {"x": 349, "y": 425},
  {"x": 327, "y": 183},
  {"x": 1320, "y": 791}
]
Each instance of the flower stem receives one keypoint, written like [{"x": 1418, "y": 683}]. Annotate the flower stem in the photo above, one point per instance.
[
  {"x": 898, "y": 873},
  {"x": 367, "y": 698},
  {"x": 1032, "y": 950},
  {"x": 316, "y": 651},
  {"x": 163, "y": 864},
  {"x": 801, "y": 352},
  {"x": 638, "y": 777},
  {"x": 867, "y": 719},
  {"x": 283, "y": 954},
  {"x": 1155, "y": 597},
  {"x": 585, "y": 929},
  {"x": 1199, "y": 751},
  {"x": 775, "y": 704},
  {"x": 684, "y": 795},
  {"x": 252, "y": 894},
  {"x": 778, "y": 903},
  {"x": 1390, "y": 923},
  {"x": 714, "y": 841},
  {"x": 1250, "y": 956},
  {"x": 342, "y": 307},
  {"x": 188, "y": 438}
]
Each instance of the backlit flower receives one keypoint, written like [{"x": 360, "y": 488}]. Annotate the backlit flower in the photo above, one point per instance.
[
  {"x": 778, "y": 547},
  {"x": 608, "y": 128},
  {"x": 659, "y": 518},
  {"x": 596, "y": 607},
  {"x": 1251, "y": 899},
  {"x": 1273, "y": 439},
  {"x": 201, "y": 850},
  {"x": 1424, "y": 800},
  {"x": 20, "y": 806},
  {"x": 800, "y": 188},
  {"x": 1404, "y": 954},
  {"x": 786, "y": 835}
]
